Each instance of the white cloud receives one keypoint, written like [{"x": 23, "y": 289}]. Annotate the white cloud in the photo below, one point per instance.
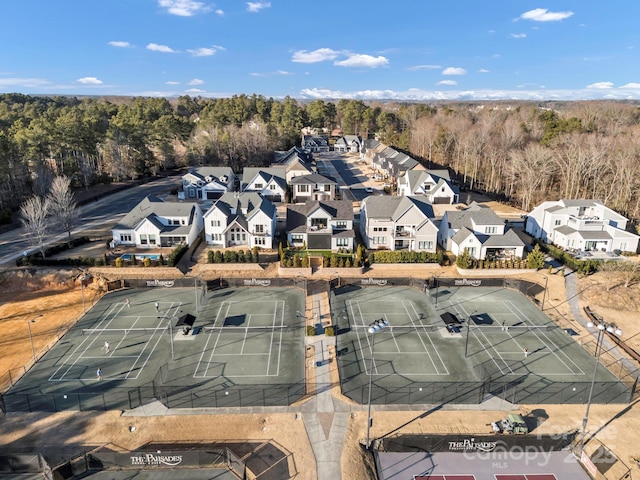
[
  {"x": 195, "y": 81},
  {"x": 518, "y": 35},
  {"x": 154, "y": 47},
  {"x": 183, "y": 8},
  {"x": 483, "y": 70},
  {"x": 282, "y": 72},
  {"x": 195, "y": 90},
  {"x": 544, "y": 15},
  {"x": 454, "y": 71},
  {"x": 600, "y": 85},
  {"x": 416, "y": 68},
  {"x": 255, "y": 74},
  {"x": 277, "y": 72},
  {"x": 362, "y": 60},
  {"x": 255, "y": 7},
  {"x": 89, "y": 81},
  {"x": 315, "y": 56},
  {"x": 631, "y": 85},
  {"x": 206, "y": 51},
  {"x": 447, "y": 82},
  {"x": 171, "y": 82},
  {"x": 120, "y": 44},
  {"x": 219, "y": 12}
]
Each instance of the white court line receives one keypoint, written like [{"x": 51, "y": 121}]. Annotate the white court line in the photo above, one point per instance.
[
  {"x": 148, "y": 356},
  {"x": 486, "y": 341},
  {"x": 520, "y": 316},
  {"x": 420, "y": 338},
  {"x": 206, "y": 370},
  {"x": 353, "y": 315},
  {"x": 446, "y": 370}
]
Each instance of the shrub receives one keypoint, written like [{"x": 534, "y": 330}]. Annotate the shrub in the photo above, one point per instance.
[
  {"x": 256, "y": 254},
  {"x": 311, "y": 330},
  {"x": 146, "y": 262},
  {"x": 535, "y": 259},
  {"x": 119, "y": 262},
  {"x": 329, "y": 331},
  {"x": 464, "y": 260}
]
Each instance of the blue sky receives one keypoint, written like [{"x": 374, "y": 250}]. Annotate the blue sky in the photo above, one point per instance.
[{"x": 405, "y": 49}]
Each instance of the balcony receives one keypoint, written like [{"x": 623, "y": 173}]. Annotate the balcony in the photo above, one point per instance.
[
  {"x": 586, "y": 223},
  {"x": 403, "y": 233}
]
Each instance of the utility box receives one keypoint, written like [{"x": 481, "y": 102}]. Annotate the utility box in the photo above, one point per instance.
[{"x": 517, "y": 423}]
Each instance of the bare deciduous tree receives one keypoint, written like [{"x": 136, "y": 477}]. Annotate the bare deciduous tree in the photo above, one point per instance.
[
  {"x": 63, "y": 204},
  {"x": 34, "y": 215}
]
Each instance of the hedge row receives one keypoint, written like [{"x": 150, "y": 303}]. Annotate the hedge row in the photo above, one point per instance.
[
  {"x": 231, "y": 256},
  {"x": 405, "y": 256},
  {"x": 585, "y": 267},
  {"x": 37, "y": 260}
]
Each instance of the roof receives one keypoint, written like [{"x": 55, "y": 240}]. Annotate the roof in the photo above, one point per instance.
[
  {"x": 392, "y": 207},
  {"x": 474, "y": 213},
  {"x": 249, "y": 173},
  {"x": 312, "y": 178},
  {"x": 337, "y": 209},
  {"x": 594, "y": 235},
  {"x": 509, "y": 239},
  {"x": 251, "y": 202},
  {"x": 152, "y": 207},
  {"x": 215, "y": 172}
]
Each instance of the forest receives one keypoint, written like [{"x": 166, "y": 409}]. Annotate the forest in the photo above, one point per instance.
[{"x": 521, "y": 152}]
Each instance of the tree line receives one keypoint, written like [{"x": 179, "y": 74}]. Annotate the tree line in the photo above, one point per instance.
[{"x": 524, "y": 152}]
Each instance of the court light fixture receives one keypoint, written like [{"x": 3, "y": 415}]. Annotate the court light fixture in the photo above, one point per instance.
[{"x": 374, "y": 328}]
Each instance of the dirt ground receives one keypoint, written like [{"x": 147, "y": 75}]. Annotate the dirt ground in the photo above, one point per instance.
[{"x": 55, "y": 301}]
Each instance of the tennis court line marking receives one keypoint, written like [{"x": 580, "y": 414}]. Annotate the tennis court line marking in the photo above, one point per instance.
[
  {"x": 140, "y": 370},
  {"x": 520, "y": 316},
  {"x": 465, "y": 314},
  {"x": 416, "y": 329},
  {"x": 278, "y": 305},
  {"x": 417, "y": 315}
]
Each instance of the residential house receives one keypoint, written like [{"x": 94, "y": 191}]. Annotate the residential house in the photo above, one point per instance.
[
  {"x": 207, "y": 183},
  {"x": 315, "y": 143},
  {"x": 321, "y": 225},
  {"x": 236, "y": 219},
  {"x": 313, "y": 187},
  {"x": 480, "y": 231},
  {"x": 434, "y": 184},
  {"x": 581, "y": 225},
  {"x": 269, "y": 182},
  {"x": 387, "y": 163},
  {"x": 397, "y": 223},
  {"x": 155, "y": 223},
  {"x": 348, "y": 144},
  {"x": 295, "y": 161}
]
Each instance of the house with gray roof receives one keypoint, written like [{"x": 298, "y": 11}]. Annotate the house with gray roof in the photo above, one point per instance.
[
  {"x": 481, "y": 232},
  {"x": 388, "y": 163},
  {"x": 295, "y": 161},
  {"x": 348, "y": 144},
  {"x": 434, "y": 184},
  {"x": 321, "y": 225},
  {"x": 313, "y": 187},
  {"x": 315, "y": 143},
  {"x": 207, "y": 183},
  {"x": 270, "y": 182},
  {"x": 155, "y": 223},
  {"x": 237, "y": 219},
  {"x": 397, "y": 223},
  {"x": 581, "y": 225}
]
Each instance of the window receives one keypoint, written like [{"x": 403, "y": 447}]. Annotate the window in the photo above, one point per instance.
[
  {"x": 215, "y": 223},
  {"x": 125, "y": 238},
  {"x": 342, "y": 242},
  {"x": 623, "y": 246},
  {"x": 258, "y": 186},
  {"x": 379, "y": 229},
  {"x": 216, "y": 237},
  {"x": 378, "y": 240},
  {"x": 272, "y": 186},
  {"x": 425, "y": 245},
  {"x": 490, "y": 229},
  {"x": 259, "y": 228},
  {"x": 296, "y": 237},
  {"x": 152, "y": 239},
  {"x": 557, "y": 222},
  {"x": 341, "y": 224},
  {"x": 303, "y": 188},
  {"x": 143, "y": 239},
  {"x": 472, "y": 251},
  {"x": 259, "y": 241},
  {"x": 327, "y": 188}
]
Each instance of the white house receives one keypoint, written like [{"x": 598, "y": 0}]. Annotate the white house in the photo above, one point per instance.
[
  {"x": 581, "y": 225},
  {"x": 478, "y": 229},
  {"x": 155, "y": 223},
  {"x": 434, "y": 184},
  {"x": 207, "y": 183},
  {"x": 313, "y": 187},
  {"x": 321, "y": 225},
  {"x": 396, "y": 223},
  {"x": 269, "y": 182},
  {"x": 315, "y": 143},
  {"x": 295, "y": 161},
  {"x": 241, "y": 219},
  {"x": 348, "y": 143}
]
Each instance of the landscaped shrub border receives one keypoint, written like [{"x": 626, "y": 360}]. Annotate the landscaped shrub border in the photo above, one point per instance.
[
  {"x": 233, "y": 256},
  {"x": 36, "y": 259},
  {"x": 291, "y": 258},
  {"x": 585, "y": 267},
  {"x": 404, "y": 256}
]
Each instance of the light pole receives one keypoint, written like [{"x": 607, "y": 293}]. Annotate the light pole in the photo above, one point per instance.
[
  {"x": 33, "y": 350},
  {"x": 544, "y": 294},
  {"x": 374, "y": 328},
  {"x": 602, "y": 328}
]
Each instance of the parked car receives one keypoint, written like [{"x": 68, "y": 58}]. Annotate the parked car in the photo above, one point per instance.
[{"x": 368, "y": 190}]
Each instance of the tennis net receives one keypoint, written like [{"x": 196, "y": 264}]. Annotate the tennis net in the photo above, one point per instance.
[
  {"x": 391, "y": 327},
  {"x": 248, "y": 330},
  {"x": 516, "y": 328},
  {"x": 123, "y": 331}
]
